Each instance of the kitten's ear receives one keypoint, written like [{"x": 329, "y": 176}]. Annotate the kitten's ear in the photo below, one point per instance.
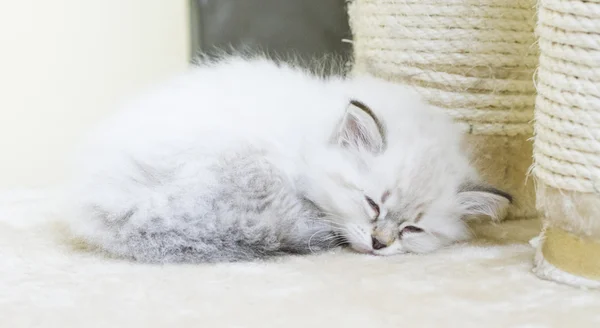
[
  {"x": 360, "y": 129},
  {"x": 483, "y": 200}
]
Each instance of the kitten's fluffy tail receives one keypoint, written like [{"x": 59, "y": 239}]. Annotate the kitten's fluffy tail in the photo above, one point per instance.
[
  {"x": 204, "y": 240},
  {"x": 118, "y": 238}
]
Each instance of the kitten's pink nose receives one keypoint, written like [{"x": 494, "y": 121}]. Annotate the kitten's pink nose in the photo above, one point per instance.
[{"x": 377, "y": 244}]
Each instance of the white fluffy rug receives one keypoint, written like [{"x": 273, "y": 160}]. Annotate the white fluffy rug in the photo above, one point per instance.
[{"x": 47, "y": 282}]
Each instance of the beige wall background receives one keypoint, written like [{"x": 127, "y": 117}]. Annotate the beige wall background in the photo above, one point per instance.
[{"x": 65, "y": 63}]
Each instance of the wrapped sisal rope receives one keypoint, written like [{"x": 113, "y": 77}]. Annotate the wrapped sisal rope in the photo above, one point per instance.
[
  {"x": 567, "y": 141},
  {"x": 473, "y": 58}
]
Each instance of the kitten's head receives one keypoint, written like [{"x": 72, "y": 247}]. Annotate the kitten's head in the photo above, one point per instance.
[{"x": 396, "y": 179}]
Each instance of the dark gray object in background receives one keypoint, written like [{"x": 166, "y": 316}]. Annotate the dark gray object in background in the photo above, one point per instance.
[{"x": 307, "y": 29}]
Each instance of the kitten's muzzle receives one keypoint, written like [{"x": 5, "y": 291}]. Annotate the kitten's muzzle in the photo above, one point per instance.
[
  {"x": 377, "y": 245},
  {"x": 382, "y": 236}
]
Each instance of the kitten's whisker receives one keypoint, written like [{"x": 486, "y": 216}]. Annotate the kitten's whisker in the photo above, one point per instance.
[
  {"x": 311, "y": 237},
  {"x": 332, "y": 222},
  {"x": 336, "y": 242}
]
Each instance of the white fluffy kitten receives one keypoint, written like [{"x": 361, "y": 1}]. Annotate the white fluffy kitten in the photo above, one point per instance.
[{"x": 243, "y": 159}]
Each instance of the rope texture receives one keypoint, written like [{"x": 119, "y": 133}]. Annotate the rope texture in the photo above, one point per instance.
[
  {"x": 473, "y": 58},
  {"x": 567, "y": 116}
]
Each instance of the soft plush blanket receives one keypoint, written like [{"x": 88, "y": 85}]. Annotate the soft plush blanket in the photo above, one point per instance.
[{"x": 48, "y": 281}]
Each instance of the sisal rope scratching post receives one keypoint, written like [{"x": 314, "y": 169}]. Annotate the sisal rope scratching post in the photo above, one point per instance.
[
  {"x": 567, "y": 142},
  {"x": 475, "y": 59}
]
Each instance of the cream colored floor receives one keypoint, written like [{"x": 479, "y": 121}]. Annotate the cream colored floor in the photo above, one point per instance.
[{"x": 46, "y": 282}]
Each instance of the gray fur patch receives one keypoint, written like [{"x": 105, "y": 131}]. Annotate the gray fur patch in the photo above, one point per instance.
[{"x": 253, "y": 213}]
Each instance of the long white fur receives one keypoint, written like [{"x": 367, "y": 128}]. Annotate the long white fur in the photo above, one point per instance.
[{"x": 165, "y": 157}]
